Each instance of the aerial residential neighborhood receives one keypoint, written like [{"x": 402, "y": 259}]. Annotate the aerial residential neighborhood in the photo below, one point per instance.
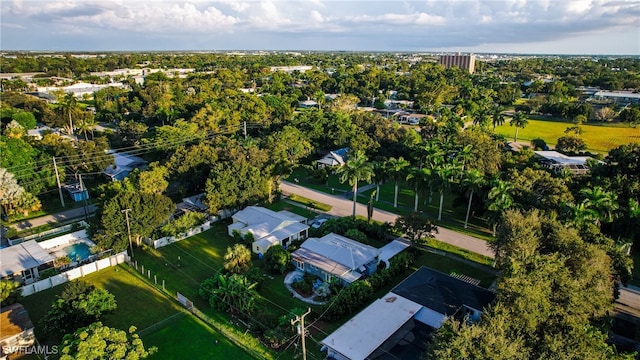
[{"x": 280, "y": 180}]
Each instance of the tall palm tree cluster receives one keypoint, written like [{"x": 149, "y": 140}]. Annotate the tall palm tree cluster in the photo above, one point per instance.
[{"x": 437, "y": 169}]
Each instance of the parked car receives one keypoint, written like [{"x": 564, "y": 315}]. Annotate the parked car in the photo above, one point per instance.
[{"x": 317, "y": 224}]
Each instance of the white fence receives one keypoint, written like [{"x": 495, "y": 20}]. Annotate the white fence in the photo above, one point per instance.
[
  {"x": 74, "y": 273},
  {"x": 46, "y": 233},
  {"x": 171, "y": 239}
]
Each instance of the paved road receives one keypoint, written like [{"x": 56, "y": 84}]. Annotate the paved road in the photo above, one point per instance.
[
  {"x": 344, "y": 207},
  {"x": 64, "y": 216}
]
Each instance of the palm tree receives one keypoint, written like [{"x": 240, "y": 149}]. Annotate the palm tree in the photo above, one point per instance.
[
  {"x": 355, "y": 169},
  {"x": 418, "y": 178},
  {"x": 601, "y": 201},
  {"x": 500, "y": 199},
  {"x": 396, "y": 170},
  {"x": 472, "y": 182},
  {"x": 237, "y": 259},
  {"x": 442, "y": 180},
  {"x": 380, "y": 175},
  {"x": 519, "y": 120},
  {"x": 465, "y": 156},
  {"x": 497, "y": 118},
  {"x": 87, "y": 122},
  {"x": 67, "y": 109}
]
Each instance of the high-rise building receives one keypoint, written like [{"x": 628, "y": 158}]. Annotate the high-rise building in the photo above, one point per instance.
[{"x": 464, "y": 62}]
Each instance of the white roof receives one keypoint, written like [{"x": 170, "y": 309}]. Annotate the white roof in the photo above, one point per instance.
[
  {"x": 332, "y": 159},
  {"x": 342, "y": 250},
  {"x": 560, "y": 158},
  {"x": 365, "y": 332},
  {"x": 124, "y": 162},
  {"x": 618, "y": 94},
  {"x": 262, "y": 222},
  {"x": 27, "y": 255}
]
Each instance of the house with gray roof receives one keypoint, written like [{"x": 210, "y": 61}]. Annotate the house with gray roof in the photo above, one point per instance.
[
  {"x": 124, "y": 164},
  {"x": 398, "y": 325},
  {"x": 269, "y": 227},
  {"x": 333, "y": 158},
  {"x": 336, "y": 257},
  {"x": 21, "y": 262}
]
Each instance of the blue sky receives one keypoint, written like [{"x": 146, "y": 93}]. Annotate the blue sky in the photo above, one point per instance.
[{"x": 506, "y": 26}]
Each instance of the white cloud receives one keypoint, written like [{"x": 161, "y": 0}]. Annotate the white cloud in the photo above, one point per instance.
[{"x": 448, "y": 22}]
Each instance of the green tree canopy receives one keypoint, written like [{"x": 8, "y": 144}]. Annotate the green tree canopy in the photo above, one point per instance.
[
  {"x": 79, "y": 305},
  {"x": 148, "y": 212},
  {"x": 100, "y": 342},
  {"x": 277, "y": 259}
]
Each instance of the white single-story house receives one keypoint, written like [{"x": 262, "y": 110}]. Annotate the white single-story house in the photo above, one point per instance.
[
  {"x": 409, "y": 118},
  {"x": 557, "y": 162},
  {"x": 333, "y": 158},
  {"x": 307, "y": 104},
  {"x": 124, "y": 164},
  {"x": 618, "y": 97},
  {"x": 21, "y": 262},
  {"x": 269, "y": 227},
  {"x": 336, "y": 257},
  {"x": 398, "y": 324},
  {"x": 16, "y": 329}
]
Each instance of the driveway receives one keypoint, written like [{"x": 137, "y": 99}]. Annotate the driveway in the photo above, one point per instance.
[{"x": 343, "y": 207}]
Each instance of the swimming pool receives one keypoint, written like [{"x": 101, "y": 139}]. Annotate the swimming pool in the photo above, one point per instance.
[{"x": 78, "y": 252}]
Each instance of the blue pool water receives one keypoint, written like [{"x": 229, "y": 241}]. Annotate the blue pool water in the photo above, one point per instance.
[{"x": 78, "y": 252}]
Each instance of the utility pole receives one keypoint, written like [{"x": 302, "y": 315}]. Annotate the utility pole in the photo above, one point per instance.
[
  {"x": 302, "y": 331},
  {"x": 85, "y": 195},
  {"x": 244, "y": 129},
  {"x": 126, "y": 214},
  {"x": 55, "y": 167}
]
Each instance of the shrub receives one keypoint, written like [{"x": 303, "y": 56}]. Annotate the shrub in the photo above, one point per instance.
[{"x": 277, "y": 259}]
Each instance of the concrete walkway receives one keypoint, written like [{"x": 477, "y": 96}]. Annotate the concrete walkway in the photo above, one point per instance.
[
  {"x": 294, "y": 276},
  {"x": 343, "y": 207},
  {"x": 61, "y": 217}
]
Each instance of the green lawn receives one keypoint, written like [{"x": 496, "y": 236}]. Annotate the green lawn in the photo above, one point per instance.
[
  {"x": 185, "y": 264},
  {"x": 132, "y": 295},
  {"x": 599, "y": 138},
  {"x": 452, "y": 217},
  {"x": 190, "y": 338}
]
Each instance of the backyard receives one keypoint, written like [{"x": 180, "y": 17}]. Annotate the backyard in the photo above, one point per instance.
[{"x": 145, "y": 307}]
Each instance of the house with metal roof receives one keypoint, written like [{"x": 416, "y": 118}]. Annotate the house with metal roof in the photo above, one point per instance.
[
  {"x": 336, "y": 257},
  {"x": 397, "y": 325},
  {"x": 124, "y": 164},
  {"x": 333, "y": 158},
  {"x": 21, "y": 262},
  {"x": 557, "y": 162},
  {"x": 269, "y": 227}
]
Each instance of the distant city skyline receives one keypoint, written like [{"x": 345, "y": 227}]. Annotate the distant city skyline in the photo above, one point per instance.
[{"x": 598, "y": 27}]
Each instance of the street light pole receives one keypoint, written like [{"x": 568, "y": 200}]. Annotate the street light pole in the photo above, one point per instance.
[{"x": 126, "y": 214}]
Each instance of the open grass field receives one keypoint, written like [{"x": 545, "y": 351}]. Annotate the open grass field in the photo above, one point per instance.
[
  {"x": 143, "y": 306},
  {"x": 138, "y": 303},
  {"x": 190, "y": 338},
  {"x": 599, "y": 138}
]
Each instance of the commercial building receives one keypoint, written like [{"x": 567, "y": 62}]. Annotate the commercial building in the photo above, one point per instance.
[{"x": 464, "y": 62}]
